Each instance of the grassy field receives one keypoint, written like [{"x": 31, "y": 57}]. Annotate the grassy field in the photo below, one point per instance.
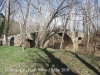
[{"x": 33, "y": 61}]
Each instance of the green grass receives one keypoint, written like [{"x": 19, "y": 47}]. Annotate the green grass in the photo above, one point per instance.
[{"x": 14, "y": 61}]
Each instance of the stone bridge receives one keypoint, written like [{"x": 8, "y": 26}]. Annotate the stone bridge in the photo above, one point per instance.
[
  {"x": 16, "y": 40},
  {"x": 70, "y": 41}
]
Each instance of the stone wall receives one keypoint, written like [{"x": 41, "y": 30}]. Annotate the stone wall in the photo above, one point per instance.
[{"x": 16, "y": 40}]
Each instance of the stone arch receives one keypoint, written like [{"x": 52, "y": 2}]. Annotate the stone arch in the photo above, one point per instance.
[
  {"x": 80, "y": 41},
  {"x": 67, "y": 44},
  {"x": 31, "y": 43},
  {"x": 79, "y": 38}
]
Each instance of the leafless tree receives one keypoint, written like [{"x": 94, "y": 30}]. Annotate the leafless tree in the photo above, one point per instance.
[
  {"x": 90, "y": 13},
  {"x": 69, "y": 14},
  {"x": 2, "y": 4},
  {"x": 46, "y": 23},
  {"x": 7, "y": 18},
  {"x": 24, "y": 21}
]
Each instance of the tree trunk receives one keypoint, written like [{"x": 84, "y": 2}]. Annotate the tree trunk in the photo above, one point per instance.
[
  {"x": 88, "y": 35},
  {"x": 24, "y": 26},
  {"x": 7, "y": 21},
  {"x": 51, "y": 19},
  {"x": 69, "y": 14}
]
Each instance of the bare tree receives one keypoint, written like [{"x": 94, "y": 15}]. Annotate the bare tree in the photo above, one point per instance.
[
  {"x": 25, "y": 21},
  {"x": 7, "y": 17},
  {"x": 88, "y": 21},
  {"x": 24, "y": 26},
  {"x": 69, "y": 14},
  {"x": 48, "y": 24},
  {"x": 2, "y": 4}
]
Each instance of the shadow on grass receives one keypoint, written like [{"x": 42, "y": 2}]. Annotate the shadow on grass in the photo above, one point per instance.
[
  {"x": 49, "y": 62},
  {"x": 64, "y": 70},
  {"x": 87, "y": 64}
]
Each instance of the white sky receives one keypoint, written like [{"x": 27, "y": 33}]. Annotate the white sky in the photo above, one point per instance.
[{"x": 34, "y": 18}]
